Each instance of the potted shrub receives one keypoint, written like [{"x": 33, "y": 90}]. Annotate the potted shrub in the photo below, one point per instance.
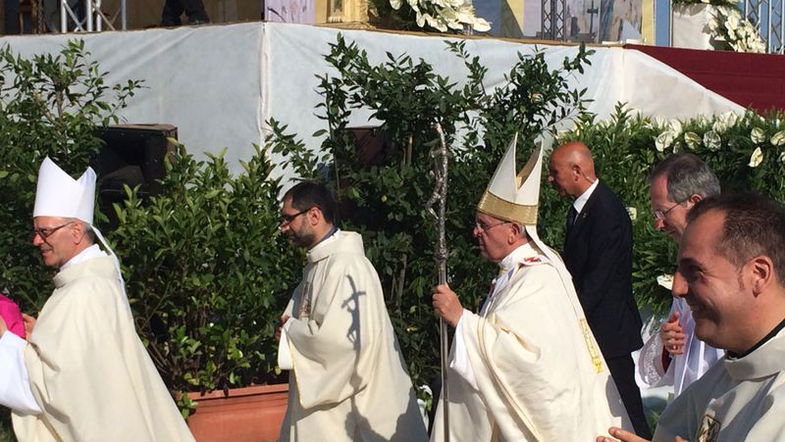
[{"x": 207, "y": 275}]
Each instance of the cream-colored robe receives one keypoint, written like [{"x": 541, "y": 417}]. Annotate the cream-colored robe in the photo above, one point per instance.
[
  {"x": 88, "y": 369},
  {"x": 539, "y": 373},
  {"x": 349, "y": 381},
  {"x": 736, "y": 400}
]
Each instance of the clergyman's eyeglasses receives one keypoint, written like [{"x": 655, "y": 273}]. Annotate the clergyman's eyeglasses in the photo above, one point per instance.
[{"x": 46, "y": 232}]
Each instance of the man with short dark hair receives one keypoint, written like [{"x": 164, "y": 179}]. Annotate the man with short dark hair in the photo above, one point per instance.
[
  {"x": 348, "y": 380},
  {"x": 731, "y": 269},
  {"x": 674, "y": 356},
  {"x": 598, "y": 254}
]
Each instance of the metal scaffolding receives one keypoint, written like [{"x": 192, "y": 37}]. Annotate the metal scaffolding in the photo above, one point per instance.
[
  {"x": 767, "y": 15},
  {"x": 95, "y": 19},
  {"x": 553, "y": 14}
]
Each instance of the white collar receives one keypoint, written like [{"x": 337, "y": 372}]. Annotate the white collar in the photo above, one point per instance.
[
  {"x": 94, "y": 251},
  {"x": 515, "y": 257},
  {"x": 581, "y": 200}
]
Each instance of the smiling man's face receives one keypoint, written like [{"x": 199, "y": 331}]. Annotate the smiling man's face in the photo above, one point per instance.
[{"x": 717, "y": 291}]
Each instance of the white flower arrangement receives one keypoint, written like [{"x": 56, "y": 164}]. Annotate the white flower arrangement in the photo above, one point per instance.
[
  {"x": 444, "y": 15},
  {"x": 729, "y": 27}
]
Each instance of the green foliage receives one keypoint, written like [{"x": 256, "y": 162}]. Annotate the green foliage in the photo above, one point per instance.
[
  {"x": 384, "y": 198},
  {"x": 207, "y": 272},
  {"x": 49, "y": 105}
]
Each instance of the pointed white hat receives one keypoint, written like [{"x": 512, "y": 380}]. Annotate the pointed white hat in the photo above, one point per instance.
[
  {"x": 57, "y": 194},
  {"x": 512, "y": 195}
]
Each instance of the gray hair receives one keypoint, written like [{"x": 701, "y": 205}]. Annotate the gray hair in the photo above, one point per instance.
[
  {"x": 86, "y": 228},
  {"x": 687, "y": 175}
]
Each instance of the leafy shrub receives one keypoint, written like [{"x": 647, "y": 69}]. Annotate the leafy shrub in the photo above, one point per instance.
[
  {"x": 207, "y": 272},
  {"x": 385, "y": 200}
]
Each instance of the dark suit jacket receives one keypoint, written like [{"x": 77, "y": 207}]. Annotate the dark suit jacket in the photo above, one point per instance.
[{"x": 598, "y": 254}]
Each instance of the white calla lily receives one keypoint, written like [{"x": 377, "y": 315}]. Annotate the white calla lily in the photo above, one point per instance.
[
  {"x": 757, "y": 135},
  {"x": 712, "y": 140},
  {"x": 778, "y": 139},
  {"x": 756, "y": 158}
]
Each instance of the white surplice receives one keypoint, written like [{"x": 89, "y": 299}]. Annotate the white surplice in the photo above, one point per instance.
[
  {"x": 736, "y": 400},
  {"x": 684, "y": 369},
  {"x": 348, "y": 380},
  {"x": 536, "y": 372},
  {"x": 89, "y": 372}
]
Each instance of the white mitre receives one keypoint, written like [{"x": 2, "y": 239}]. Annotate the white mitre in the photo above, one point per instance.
[
  {"x": 59, "y": 195},
  {"x": 512, "y": 195}
]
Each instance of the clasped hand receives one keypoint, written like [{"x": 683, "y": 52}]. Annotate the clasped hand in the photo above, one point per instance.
[
  {"x": 446, "y": 304},
  {"x": 672, "y": 335}
]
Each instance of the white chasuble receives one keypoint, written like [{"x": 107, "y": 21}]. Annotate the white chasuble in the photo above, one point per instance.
[
  {"x": 736, "y": 400},
  {"x": 539, "y": 373},
  {"x": 349, "y": 380},
  {"x": 88, "y": 369}
]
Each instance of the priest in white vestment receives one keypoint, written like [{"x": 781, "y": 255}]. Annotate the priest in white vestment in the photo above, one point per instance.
[
  {"x": 526, "y": 367},
  {"x": 731, "y": 269},
  {"x": 348, "y": 380},
  {"x": 675, "y": 356},
  {"x": 83, "y": 374}
]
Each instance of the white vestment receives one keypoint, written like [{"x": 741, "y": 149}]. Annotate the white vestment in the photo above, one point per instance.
[
  {"x": 349, "y": 380},
  {"x": 89, "y": 372},
  {"x": 536, "y": 372},
  {"x": 684, "y": 369},
  {"x": 736, "y": 400}
]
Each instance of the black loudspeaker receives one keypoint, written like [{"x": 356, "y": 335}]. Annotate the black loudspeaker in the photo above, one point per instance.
[{"x": 133, "y": 155}]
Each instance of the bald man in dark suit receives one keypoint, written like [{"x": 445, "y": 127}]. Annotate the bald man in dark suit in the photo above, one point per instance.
[{"x": 598, "y": 254}]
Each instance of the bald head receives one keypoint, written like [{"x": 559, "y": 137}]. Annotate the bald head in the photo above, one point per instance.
[{"x": 571, "y": 169}]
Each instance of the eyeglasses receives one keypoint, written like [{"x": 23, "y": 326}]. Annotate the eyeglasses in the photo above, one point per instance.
[
  {"x": 47, "y": 232},
  {"x": 660, "y": 215},
  {"x": 485, "y": 227},
  {"x": 286, "y": 218}
]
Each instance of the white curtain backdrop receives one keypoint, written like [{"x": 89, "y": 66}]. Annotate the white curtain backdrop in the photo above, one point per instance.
[{"x": 219, "y": 84}]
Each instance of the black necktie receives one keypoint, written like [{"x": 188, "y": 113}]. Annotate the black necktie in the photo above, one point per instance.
[{"x": 571, "y": 215}]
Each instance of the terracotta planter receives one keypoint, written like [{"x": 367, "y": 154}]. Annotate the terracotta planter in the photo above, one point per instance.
[
  {"x": 690, "y": 26},
  {"x": 251, "y": 414}
]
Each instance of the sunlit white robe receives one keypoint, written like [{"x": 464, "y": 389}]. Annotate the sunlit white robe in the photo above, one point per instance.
[
  {"x": 349, "y": 381},
  {"x": 88, "y": 370},
  {"x": 736, "y": 400},
  {"x": 538, "y": 372}
]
